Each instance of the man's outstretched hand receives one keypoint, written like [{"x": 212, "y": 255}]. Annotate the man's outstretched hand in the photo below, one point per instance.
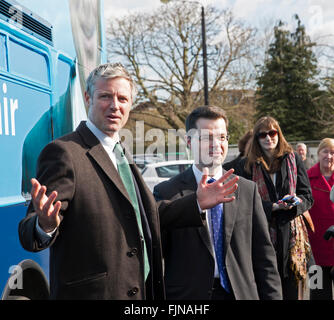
[
  {"x": 47, "y": 212},
  {"x": 211, "y": 194}
]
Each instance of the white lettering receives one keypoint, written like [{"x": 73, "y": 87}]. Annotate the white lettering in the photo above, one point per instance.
[
  {"x": 152, "y": 311},
  {"x": 13, "y": 106},
  {"x": 315, "y": 280},
  {"x": 175, "y": 310},
  {"x": 16, "y": 15},
  {"x": 16, "y": 279},
  {"x": 5, "y": 114}
]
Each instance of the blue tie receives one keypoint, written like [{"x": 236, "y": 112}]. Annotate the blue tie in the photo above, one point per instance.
[{"x": 217, "y": 222}]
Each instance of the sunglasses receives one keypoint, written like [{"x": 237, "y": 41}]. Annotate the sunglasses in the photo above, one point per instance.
[{"x": 271, "y": 133}]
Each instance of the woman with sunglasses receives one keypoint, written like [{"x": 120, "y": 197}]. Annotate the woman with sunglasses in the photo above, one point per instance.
[
  {"x": 321, "y": 177},
  {"x": 286, "y": 194}
]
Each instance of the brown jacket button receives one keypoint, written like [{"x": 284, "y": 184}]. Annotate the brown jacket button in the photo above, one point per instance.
[
  {"x": 132, "y": 252},
  {"x": 133, "y": 291}
]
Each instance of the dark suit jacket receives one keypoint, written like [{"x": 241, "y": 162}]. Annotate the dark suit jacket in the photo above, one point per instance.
[
  {"x": 249, "y": 255},
  {"x": 96, "y": 252}
]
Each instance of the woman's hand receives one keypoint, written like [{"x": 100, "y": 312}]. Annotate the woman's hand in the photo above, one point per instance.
[{"x": 292, "y": 201}]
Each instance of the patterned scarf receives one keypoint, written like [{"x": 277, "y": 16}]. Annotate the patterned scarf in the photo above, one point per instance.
[{"x": 299, "y": 245}]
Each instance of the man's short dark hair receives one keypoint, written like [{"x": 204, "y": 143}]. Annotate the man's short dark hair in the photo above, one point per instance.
[{"x": 207, "y": 112}]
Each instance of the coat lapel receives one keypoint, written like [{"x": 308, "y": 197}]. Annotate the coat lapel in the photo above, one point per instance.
[
  {"x": 190, "y": 184},
  {"x": 100, "y": 156}
]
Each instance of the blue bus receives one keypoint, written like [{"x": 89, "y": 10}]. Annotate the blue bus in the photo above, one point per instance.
[{"x": 40, "y": 99}]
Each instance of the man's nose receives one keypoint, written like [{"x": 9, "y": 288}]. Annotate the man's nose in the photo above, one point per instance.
[{"x": 114, "y": 103}]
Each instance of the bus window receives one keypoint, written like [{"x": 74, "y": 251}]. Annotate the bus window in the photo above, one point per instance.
[
  {"x": 3, "y": 53},
  {"x": 62, "y": 109},
  {"x": 20, "y": 55}
]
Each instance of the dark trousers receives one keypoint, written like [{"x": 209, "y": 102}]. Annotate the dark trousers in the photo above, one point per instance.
[
  {"x": 219, "y": 293},
  {"x": 326, "y": 292},
  {"x": 289, "y": 287}
]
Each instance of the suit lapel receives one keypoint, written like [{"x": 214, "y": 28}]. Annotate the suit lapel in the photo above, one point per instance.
[
  {"x": 189, "y": 183},
  {"x": 100, "y": 156},
  {"x": 230, "y": 214}
]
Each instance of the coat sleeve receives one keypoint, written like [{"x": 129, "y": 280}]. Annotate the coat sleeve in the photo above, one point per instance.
[
  {"x": 303, "y": 191},
  {"x": 263, "y": 254},
  {"x": 56, "y": 172},
  {"x": 303, "y": 188}
]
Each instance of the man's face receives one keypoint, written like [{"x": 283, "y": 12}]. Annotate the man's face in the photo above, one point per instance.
[
  {"x": 302, "y": 152},
  {"x": 110, "y": 105},
  {"x": 209, "y": 145}
]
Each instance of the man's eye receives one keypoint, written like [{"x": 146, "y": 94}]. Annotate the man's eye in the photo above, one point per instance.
[{"x": 123, "y": 99}]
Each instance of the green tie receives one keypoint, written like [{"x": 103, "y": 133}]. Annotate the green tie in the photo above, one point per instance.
[{"x": 126, "y": 176}]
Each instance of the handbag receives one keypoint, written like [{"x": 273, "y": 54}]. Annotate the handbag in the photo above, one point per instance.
[{"x": 308, "y": 221}]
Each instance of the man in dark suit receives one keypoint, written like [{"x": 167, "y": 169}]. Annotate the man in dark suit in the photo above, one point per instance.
[
  {"x": 228, "y": 258},
  {"x": 91, "y": 207}
]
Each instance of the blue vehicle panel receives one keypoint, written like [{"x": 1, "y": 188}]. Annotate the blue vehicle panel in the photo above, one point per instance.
[
  {"x": 40, "y": 100},
  {"x": 21, "y": 108},
  {"x": 11, "y": 252}
]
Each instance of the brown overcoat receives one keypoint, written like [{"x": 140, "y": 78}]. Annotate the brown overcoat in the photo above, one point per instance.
[{"x": 96, "y": 253}]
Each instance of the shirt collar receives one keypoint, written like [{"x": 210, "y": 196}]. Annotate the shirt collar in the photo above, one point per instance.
[
  {"x": 106, "y": 141},
  {"x": 198, "y": 173}
]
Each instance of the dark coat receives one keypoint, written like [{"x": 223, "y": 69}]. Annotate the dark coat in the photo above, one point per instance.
[
  {"x": 96, "y": 252},
  {"x": 283, "y": 217},
  {"x": 249, "y": 255}
]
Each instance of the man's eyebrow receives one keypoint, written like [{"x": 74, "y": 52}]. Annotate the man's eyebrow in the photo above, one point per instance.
[{"x": 103, "y": 91}]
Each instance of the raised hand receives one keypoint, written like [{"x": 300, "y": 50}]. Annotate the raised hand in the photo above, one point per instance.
[
  {"x": 209, "y": 195},
  {"x": 47, "y": 212}
]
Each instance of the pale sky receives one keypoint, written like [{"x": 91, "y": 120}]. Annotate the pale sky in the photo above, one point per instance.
[{"x": 316, "y": 15}]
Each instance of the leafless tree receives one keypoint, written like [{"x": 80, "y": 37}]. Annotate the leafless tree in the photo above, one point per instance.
[{"x": 163, "y": 49}]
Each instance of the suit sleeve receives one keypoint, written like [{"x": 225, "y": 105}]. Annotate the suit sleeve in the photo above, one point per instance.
[
  {"x": 263, "y": 254},
  {"x": 56, "y": 172},
  {"x": 178, "y": 212}
]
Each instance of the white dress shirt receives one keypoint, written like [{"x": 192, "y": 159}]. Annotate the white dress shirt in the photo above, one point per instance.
[
  {"x": 198, "y": 175},
  {"x": 108, "y": 144}
]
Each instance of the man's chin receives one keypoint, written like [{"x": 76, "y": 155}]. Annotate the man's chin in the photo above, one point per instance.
[
  {"x": 212, "y": 162},
  {"x": 110, "y": 131}
]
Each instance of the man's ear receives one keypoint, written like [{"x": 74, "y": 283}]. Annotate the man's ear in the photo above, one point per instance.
[
  {"x": 188, "y": 139},
  {"x": 87, "y": 99}
]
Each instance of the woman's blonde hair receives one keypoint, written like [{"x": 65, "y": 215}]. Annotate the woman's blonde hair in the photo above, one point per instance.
[
  {"x": 255, "y": 153},
  {"x": 325, "y": 143}
]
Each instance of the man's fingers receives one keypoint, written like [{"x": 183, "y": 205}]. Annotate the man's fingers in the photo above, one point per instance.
[
  {"x": 227, "y": 192},
  {"x": 56, "y": 208},
  {"x": 225, "y": 176},
  {"x": 48, "y": 204},
  {"x": 228, "y": 199},
  {"x": 232, "y": 189},
  {"x": 38, "y": 201},
  {"x": 231, "y": 182},
  {"x": 204, "y": 175},
  {"x": 35, "y": 187}
]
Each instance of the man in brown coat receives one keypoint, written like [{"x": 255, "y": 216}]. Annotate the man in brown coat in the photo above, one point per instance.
[{"x": 104, "y": 238}]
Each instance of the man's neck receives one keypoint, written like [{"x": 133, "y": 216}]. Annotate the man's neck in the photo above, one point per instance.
[
  {"x": 213, "y": 170},
  {"x": 101, "y": 135}
]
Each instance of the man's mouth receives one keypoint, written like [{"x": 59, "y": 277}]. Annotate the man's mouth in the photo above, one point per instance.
[
  {"x": 215, "y": 154},
  {"x": 113, "y": 117}
]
